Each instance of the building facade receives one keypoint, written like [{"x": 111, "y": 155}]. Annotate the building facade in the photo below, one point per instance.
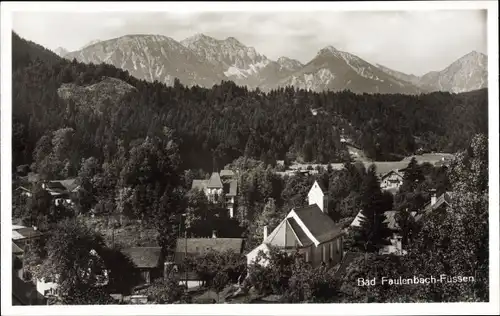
[
  {"x": 220, "y": 184},
  {"x": 307, "y": 230}
]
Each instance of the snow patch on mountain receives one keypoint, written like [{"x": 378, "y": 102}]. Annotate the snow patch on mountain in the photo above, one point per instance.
[{"x": 311, "y": 81}]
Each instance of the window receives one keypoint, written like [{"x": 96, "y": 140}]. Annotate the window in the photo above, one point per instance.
[
  {"x": 145, "y": 276},
  {"x": 323, "y": 253},
  {"x": 307, "y": 255},
  {"x": 331, "y": 250}
]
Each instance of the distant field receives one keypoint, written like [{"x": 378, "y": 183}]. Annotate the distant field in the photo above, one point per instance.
[
  {"x": 382, "y": 166},
  {"x": 131, "y": 235},
  {"x": 431, "y": 157}
]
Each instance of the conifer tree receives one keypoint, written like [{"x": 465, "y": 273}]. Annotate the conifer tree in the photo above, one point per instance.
[{"x": 373, "y": 231}]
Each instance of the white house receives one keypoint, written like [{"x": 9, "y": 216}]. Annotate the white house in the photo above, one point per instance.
[
  {"x": 391, "y": 181},
  {"x": 225, "y": 182},
  {"x": 46, "y": 288},
  {"x": 308, "y": 230},
  {"x": 61, "y": 190}
]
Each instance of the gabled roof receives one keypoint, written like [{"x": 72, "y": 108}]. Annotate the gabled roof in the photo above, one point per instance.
[
  {"x": 63, "y": 185},
  {"x": 199, "y": 184},
  {"x": 315, "y": 185},
  {"x": 299, "y": 232},
  {"x": 356, "y": 222},
  {"x": 26, "y": 232},
  {"x": 390, "y": 219},
  {"x": 396, "y": 172},
  {"x": 264, "y": 247},
  {"x": 444, "y": 199},
  {"x": 287, "y": 235},
  {"x": 320, "y": 226},
  {"x": 226, "y": 173},
  {"x": 144, "y": 257},
  {"x": 16, "y": 250},
  {"x": 214, "y": 182}
]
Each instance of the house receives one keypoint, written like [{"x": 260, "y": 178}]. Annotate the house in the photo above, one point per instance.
[
  {"x": 436, "y": 203},
  {"x": 23, "y": 236},
  {"x": 61, "y": 190},
  {"x": 148, "y": 262},
  {"x": 48, "y": 287},
  {"x": 395, "y": 246},
  {"x": 356, "y": 222},
  {"x": 390, "y": 220},
  {"x": 391, "y": 181},
  {"x": 223, "y": 183},
  {"x": 308, "y": 230},
  {"x": 23, "y": 190},
  {"x": 201, "y": 246}
]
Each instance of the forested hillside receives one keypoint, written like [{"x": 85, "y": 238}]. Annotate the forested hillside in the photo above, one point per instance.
[
  {"x": 24, "y": 52},
  {"x": 217, "y": 125}
]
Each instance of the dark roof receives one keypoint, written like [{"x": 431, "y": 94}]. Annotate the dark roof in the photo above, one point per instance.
[
  {"x": 25, "y": 292},
  {"x": 144, "y": 257},
  {"x": 67, "y": 185},
  {"x": 214, "y": 181},
  {"x": 203, "y": 245},
  {"x": 25, "y": 232},
  {"x": 55, "y": 185},
  {"x": 348, "y": 259},
  {"x": 15, "y": 249},
  {"x": 301, "y": 235},
  {"x": 321, "y": 226}
]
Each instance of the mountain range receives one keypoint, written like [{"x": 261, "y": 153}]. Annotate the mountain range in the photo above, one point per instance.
[{"x": 203, "y": 60}]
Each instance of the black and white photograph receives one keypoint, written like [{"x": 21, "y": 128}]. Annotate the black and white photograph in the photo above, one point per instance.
[{"x": 289, "y": 153}]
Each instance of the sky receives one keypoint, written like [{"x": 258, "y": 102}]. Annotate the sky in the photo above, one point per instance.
[{"x": 414, "y": 42}]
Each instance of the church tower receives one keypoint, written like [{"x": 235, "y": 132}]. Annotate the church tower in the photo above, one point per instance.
[{"x": 317, "y": 196}]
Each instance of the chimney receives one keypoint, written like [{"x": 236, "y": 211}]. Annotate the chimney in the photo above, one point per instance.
[
  {"x": 399, "y": 245},
  {"x": 214, "y": 234},
  {"x": 433, "y": 196},
  {"x": 265, "y": 233},
  {"x": 167, "y": 268}
]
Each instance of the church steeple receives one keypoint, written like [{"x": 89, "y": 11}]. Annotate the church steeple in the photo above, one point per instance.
[{"x": 317, "y": 196}]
